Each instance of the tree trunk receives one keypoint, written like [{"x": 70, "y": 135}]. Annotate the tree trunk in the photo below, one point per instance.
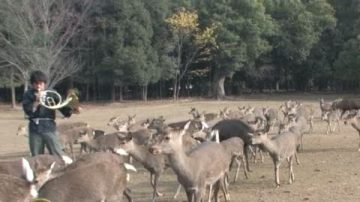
[
  {"x": 144, "y": 92},
  {"x": 87, "y": 96},
  {"x": 12, "y": 86},
  {"x": 160, "y": 89},
  {"x": 175, "y": 89},
  {"x": 94, "y": 90},
  {"x": 113, "y": 92},
  {"x": 219, "y": 87},
  {"x": 277, "y": 86},
  {"x": 121, "y": 93}
]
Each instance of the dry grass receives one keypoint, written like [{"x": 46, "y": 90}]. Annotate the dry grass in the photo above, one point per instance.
[{"x": 329, "y": 169}]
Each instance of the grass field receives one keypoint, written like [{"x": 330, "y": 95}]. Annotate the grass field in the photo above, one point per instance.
[{"x": 329, "y": 169}]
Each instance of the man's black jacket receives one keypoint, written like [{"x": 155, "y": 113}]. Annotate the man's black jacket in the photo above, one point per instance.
[{"x": 42, "y": 119}]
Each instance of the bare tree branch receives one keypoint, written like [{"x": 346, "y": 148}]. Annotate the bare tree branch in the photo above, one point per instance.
[{"x": 36, "y": 33}]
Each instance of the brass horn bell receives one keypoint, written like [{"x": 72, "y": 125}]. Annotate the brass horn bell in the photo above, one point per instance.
[{"x": 53, "y": 100}]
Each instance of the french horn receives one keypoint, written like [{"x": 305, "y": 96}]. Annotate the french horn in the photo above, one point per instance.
[{"x": 53, "y": 100}]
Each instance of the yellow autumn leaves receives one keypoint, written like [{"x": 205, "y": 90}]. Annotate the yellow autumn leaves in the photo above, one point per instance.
[{"x": 185, "y": 22}]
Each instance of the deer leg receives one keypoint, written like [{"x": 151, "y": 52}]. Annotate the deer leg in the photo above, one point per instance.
[
  {"x": 243, "y": 164},
  {"x": 224, "y": 188},
  {"x": 277, "y": 178},
  {"x": 311, "y": 124},
  {"x": 328, "y": 128},
  {"x": 237, "y": 169},
  {"x": 177, "y": 191},
  {"x": 189, "y": 195},
  {"x": 216, "y": 190},
  {"x": 152, "y": 179},
  {"x": 156, "y": 182},
  {"x": 198, "y": 195},
  {"x": 297, "y": 159},
  {"x": 127, "y": 193},
  {"x": 291, "y": 172},
  {"x": 359, "y": 142},
  {"x": 71, "y": 150},
  {"x": 247, "y": 158},
  {"x": 256, "y": 149}
]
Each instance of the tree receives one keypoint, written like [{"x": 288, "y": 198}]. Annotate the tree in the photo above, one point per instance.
[
  {"x": 190, "y": 42},
  {"x": 242, "y": 31},
  {"x": 35, "y": 34},
  {"x": 301, "y": 24}
]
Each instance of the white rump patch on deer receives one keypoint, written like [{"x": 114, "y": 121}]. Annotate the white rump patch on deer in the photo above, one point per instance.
[
  {"x": 67, "y": 160},
  {"x": 130, "y": 167},
  {"x": 121, "y": 152}
]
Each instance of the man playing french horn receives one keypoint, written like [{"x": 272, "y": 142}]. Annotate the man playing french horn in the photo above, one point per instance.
[{"x": 42, "y": 126}]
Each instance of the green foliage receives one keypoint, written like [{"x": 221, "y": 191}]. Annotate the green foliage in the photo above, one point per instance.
[
  {"x": 243, "y": 28},
  {"x": 347, "y": 66}
]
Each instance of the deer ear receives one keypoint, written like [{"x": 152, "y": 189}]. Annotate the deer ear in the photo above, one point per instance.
[
  {"x": 27, "y": 171},
  {"x": 186, "y": 127}
]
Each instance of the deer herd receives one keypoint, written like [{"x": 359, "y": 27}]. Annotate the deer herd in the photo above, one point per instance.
[{"x": 201, "y": 152}]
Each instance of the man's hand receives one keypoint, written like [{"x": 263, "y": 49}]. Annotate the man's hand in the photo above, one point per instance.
[{"x": 37, "y": 101}]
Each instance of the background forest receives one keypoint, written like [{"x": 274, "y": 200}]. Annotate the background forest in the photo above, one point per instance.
[{"x": 113, "y": 50}]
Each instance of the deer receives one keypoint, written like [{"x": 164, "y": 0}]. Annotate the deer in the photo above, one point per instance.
[
  {"x": 24, "y": 188},
  {"x": 68, "y": 133},
  {"x": 226, "y": 113},
  {"x": 280, "y": 147},
  {"x": 235, "y": 148},
  {"x": 353, "y": 118},
  {"x": 101, "y": 143},
  {"x": 207, "y": 116},
  {"x": 155, "y": 164},
  {"x": 39, "y": 162},
  {"x": 332, "y": 119},
  {"x": 305, "y": 111},
  {"x": 226, "y": 129},
  {"x": 345, "y": 105},
  {"x": 206, "y": 164},
  {"x": 107, "y": 182}
]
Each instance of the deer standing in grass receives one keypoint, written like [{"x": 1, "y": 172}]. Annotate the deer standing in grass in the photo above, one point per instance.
[{"x": 206, "y": 164}]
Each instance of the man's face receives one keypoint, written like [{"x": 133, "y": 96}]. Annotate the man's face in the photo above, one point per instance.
[{"x": 39, "y": 85}]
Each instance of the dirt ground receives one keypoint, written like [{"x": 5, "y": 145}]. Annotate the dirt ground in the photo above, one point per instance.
[{"x": 329, "y": 169}]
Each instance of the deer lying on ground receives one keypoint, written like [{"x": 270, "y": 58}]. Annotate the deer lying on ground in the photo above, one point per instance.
[
  {"x": 204, "y": 165},
  {"x": 18, "y": 189},
  {"x": 100, "y": 179},
  {"x": 280, "y": 147}
]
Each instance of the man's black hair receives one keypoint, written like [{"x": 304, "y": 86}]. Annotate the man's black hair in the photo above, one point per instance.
[{"x": 37, "y": 76}]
